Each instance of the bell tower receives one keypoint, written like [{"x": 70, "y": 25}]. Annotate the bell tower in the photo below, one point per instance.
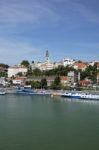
[{"x": 47, "y": 57}]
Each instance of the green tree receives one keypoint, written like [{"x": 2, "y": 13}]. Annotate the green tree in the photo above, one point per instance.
[
  {"x": 29, "y": 72},
  {"x": 3, "y": 74},
  {"x": 25, "y": 63},
  {"x": 56, "y": 84},
  {"x": 34, "y": 84},
  {"x": 4, "y": 65},
  {"x": 19, "y": 74},
  {"x": 57, "y": 80},
  {"x": 44, "y": 83},
  {"x": 36, "y": 72},
  {"x": 90, "y": 73}
]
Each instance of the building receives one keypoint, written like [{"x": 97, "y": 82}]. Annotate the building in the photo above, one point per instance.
[
  {"x": 73, "y": 78},
  {"x": 13, "y": 71},
  {"x": 46, "y": 65},
  {"x": 19, "y": 81},
  {"x": 92, "y": 63},
  {"x": 80, "y": 66},
  {"x": 64, "y": 80},
  {"x": 47, "y": 60},
  {"x": 86, "y": 83},
  {"x": 2, "y": 69},
  {"x": 3, "y": 82},
  {"x": 49, "y": 79},
  {"x": 68, "y": 62}
]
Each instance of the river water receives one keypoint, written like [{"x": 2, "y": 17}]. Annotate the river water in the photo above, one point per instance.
[{"x": 45, "y": 123}]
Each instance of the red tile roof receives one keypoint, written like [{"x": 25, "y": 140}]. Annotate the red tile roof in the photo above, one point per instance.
[
  {"x": 63, "y": 78},
  {"x": 20, "y": 78},
  {"x": 85, "y": 82},
  {"x": 80, "y": 65}
]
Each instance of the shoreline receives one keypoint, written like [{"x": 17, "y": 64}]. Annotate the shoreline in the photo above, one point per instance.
[{"x": 12, "y": 90}]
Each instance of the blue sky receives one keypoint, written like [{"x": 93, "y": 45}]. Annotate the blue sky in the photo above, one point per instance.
[{"x": 67, "y": 28}]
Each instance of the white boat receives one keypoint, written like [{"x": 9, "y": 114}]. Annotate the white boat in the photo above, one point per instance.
[
  {"x": 89, "y": 96},
  {"x": 2, "y": 93},
  {"x": 81, "y": 95},
  {"x": 71, "y": 95}
]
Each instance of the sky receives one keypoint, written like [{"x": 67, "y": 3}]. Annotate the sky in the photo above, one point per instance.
[{"x": 67, "y": 28}]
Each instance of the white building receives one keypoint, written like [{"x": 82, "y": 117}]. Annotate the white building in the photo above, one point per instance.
[
  {"x": 19, "y": 81},
  {"x": 68, "y": 61},
  {"x": 3, "y": 82},
  {"x": 46, "y": 65},
  {"x": 92, "y": 63},
  {"x": 13, "y": 71}
]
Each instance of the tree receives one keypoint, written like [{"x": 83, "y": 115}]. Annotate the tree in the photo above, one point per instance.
[
  {"x": 19, "y": 74},
  {"x": 56, "y": 84},
  {"x": 3, "y": 74},
  {"x": 25, "y": 63},
  {"x": 37, "y": 85},
  {"x": 37, "y": 72},
  {"x": 57, "y": 80},
  {"x": 44, "y": 83},
  {"x": 33, "y": 62},
  {"x": 90, "y": 73},
  {"x": 34, "y": 84},
  {"x": 4, "y": 66},
  {"x": 29, "y": 72}
]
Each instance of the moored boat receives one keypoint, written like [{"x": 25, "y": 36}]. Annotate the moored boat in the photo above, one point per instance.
[
  {"x": 2, "y": 93},
  {"x": 89, "y": 96},
  {"x": 71, "y": 95},
  {"x": 26, "y": 90},
  {"x": 81, "y": 95}
]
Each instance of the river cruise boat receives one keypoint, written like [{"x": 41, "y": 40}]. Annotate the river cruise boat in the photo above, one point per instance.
[{"x": 81, "y": 95}]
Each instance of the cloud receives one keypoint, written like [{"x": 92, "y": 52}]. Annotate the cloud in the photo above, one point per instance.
[
  {"x": 29, "y": 12},
  {"x": 20, "y": 18},
  {"x": 16, "y": 14},
  {"x": 14, "y": 51}
]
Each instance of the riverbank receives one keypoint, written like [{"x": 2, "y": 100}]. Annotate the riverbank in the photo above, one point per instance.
[{"x": 12, "y": 90}]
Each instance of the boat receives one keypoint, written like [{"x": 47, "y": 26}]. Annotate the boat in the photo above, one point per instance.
[
  {"x": 71, "y": 95},
  {"x": 89, "y": 96},
  {"x": 2, "y": 93},
  {"x": 27, "y": 90},
  {"x": 81, "y": 95}
]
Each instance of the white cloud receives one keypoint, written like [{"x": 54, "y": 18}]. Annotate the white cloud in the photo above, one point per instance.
[
  {"x": 18, "y": 15},
  {"x": 14, "y": 51},
  {"x": 14, "y": 13}
]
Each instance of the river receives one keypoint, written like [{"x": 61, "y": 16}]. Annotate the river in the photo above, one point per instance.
[{"x": 45, "y": 123}]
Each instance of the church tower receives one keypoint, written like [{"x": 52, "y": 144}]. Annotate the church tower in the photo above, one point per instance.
[{"x": 47, "y": 57}]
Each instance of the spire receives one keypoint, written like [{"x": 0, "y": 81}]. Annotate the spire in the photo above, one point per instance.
[{"x": 47, "y": 56}]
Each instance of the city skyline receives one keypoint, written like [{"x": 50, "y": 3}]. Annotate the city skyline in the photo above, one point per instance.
[{"x": 67, "y": 28}]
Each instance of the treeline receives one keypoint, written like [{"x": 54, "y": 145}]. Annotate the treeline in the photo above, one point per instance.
[
  {"x": 90, "y": 72},
  {"x": 56, "y": 84},
  {"x": 60, "y": 71}
]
